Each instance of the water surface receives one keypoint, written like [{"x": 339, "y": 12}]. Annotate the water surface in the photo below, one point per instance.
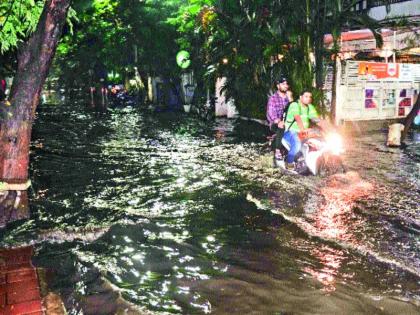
[{"x": 156, "y": 210}]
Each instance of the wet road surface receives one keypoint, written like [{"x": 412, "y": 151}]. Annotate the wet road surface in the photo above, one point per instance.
[{"x": 166, "y": 213}]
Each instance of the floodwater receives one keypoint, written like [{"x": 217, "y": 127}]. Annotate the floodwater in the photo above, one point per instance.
[{"x": 167, "y": 213}]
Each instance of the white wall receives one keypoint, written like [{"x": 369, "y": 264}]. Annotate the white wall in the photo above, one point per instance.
[
  {"x": 221, "y": 105},
  {"x": 407, "y": 8}
]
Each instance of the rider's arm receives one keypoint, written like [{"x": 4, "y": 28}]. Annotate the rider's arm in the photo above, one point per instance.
[
  {"x": 271, "y": 112},
  {"x": 314, "y": 117},
  {"x": 299, "y": 122},
  {"x": 323, "y": 124},
  {"x": 289, "y": 96}
]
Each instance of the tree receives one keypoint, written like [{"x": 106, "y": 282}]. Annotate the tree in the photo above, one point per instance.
[
  {"x": 341, "y": 15},
  {"x": 260, "y": 39},
  {"x": 18, "y": 19},
  {"x": 110, "y": 31},
  {"x": 408, "y": 121},
  {"x": 233, "y": 39},
  {"x": 34, "y": 59}
]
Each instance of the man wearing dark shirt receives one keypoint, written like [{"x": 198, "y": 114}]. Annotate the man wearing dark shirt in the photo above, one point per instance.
[{"x": 276, "y": 106}]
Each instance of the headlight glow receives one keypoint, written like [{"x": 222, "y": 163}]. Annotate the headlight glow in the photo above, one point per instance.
[{"x": 334, "y": 143}]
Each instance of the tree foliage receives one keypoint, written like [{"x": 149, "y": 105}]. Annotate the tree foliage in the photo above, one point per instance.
[
  {"x": 108, "y": 32},
  {"x": 18, "y": 18},
  {"x": 248, "y": 41},
  {"x": 251, "y": 42}
]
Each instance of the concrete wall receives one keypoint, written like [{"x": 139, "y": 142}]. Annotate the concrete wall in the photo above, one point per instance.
[
  {"x": 406, "y": 8},
  {"x": 224, "y": 107}
]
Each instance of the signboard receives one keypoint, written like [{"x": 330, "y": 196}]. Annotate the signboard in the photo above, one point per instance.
[
  {"x": 406, "y": 72},
  {"x": 369, "y": 90},
  {"x": 409, "y": 72},
  {"x": 183, "y": 59},
  {"x": 378, "y": 70}
]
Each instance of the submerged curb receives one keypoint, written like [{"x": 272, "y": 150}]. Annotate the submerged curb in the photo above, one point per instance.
[
  {"x": 4, "y": 186},
  {"x": 20, "y": 290}
]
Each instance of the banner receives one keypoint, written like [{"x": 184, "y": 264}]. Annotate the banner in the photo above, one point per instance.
[{"x": 378, "y": 70}]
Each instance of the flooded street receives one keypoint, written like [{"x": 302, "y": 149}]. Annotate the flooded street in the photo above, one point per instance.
[{"x": 167, "y": 213}]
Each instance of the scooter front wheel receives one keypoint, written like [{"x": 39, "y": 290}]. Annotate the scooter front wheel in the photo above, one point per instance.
[
  {"x": 322, "y": 167},
  {"x": 331, "y": 166},
  {"x": 301, "y": 167}
]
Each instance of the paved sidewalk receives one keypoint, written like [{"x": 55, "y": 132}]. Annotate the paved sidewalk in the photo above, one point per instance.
[{"x": 19, "y": 286}]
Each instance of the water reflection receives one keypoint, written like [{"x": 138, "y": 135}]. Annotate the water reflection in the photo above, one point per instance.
[
  {"x": 334, "y": 218},
  {"x": 330, "y": 261},
  {"x": 330, "y": 215},
  {"x": 153, "y": 263}
]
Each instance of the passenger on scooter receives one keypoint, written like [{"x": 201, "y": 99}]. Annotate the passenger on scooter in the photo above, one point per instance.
[
  {"x": 277, "y": 103},
  {"x": 298, "y": 118}
]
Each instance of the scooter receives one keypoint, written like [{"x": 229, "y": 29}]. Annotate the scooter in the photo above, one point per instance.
[{"x": 319, "y": 155}]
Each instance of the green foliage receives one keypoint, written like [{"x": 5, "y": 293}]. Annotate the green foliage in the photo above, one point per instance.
[
  {"x": 18, "y": 19},
  {"x": 233, "y": 39},
  {"x": 107, "y": 32}
]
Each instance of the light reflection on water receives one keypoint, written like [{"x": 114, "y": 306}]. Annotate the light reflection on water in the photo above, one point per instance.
[
  {"x": 330, "y": 261},
  {"x": 334, "y": 220},
  {"x": 334, "y": 217}
]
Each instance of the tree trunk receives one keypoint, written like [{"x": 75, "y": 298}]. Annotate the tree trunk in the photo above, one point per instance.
[
  {"x": 334, "y": 92},
  {"x": 410, "y": 117},
  {"x": 34, "y": 60},
  {"x": 14, "y": 205}
]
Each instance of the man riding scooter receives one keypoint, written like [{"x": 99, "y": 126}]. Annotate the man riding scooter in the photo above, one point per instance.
[{"x": 298, "y": 118}]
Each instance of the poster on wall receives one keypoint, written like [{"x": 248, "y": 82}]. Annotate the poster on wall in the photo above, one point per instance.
[
  {"x": 405, "y": 101},
  {"x": 401, "y": 111},
  {"x": 389, "y": 99},
  {"x": 378, "y": 70},
  {"x": 405, "y": 97},
  {"x": 370, "y": 101}
]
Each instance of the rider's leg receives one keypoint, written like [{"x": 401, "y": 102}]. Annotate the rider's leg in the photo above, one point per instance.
[
  {"x": 293, "y": 140},
  {"x": 277, "y": 139}
]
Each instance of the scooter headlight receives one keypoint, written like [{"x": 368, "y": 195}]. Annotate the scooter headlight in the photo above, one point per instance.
[{"x": 334, "y": 143}]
